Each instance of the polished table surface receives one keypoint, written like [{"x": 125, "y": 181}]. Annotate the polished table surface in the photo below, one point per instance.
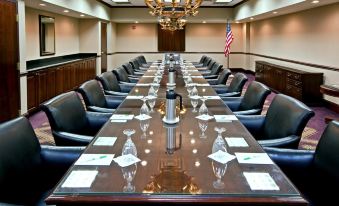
[{"x": 183, "y": 176}]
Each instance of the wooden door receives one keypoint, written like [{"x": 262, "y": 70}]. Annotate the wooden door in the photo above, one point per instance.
[
  {"x": 103, "y": 47},
  {"x": 171, "y": 41},
  {"x": 9, "y": 77}
]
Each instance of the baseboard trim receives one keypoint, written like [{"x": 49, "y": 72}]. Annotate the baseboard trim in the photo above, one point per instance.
[
  {"x": 332, "y": 106},
  {"x": 242, "y": 70}
]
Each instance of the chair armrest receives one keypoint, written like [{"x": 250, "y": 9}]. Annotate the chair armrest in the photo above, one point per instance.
[
  {"x": 229, "y": 94},
  {"x": 221, "y": 86},
  {"x": 248, "y": 112},
  {"x": 126, "y": 83},
  {"x": 205, "y": 72},
  {"x": 60, "y": 156},
  {"x": 96, "y": 120},
  {"x": 112, "y": 102},
  {"x": 291, "y": 142},
  {"x": 213, "y": 76},
  {"x": 212, "y": 81},
  {"x": 135, "y": 76},
  {"x": 138, "y": 73},
  {"x": 107, "y": 92},
  {"x": 127, "y": 87},
  {"x": 100, "y": 109},
  {"x": 232, "y": 102},
  {"x": 197, "y": 64},
  {"x": 253, "y": 123},
  {"x": 133, "y": 80},
  {"x": 71, "y": 139}
]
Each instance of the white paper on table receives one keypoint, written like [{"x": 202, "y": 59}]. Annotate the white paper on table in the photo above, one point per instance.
[
  {"x": 135, "y": 97},
  {"x": 197, "y": 77},
  {"x": 142, "y": 85},
  {"x": 203, "y": 85},
  {"x": 236, "y": 142},
  {"x": 212, "y": 97},
  {"x": 195, "y": 97},
  {"x": 118, "y": 120},
  {"x": 126, "y": 160},
  {"x": 122, "y": 116},
  {"x": 148, "y": 76},
  {"x": 204, "y": 117},
  {"x": 80, "y": 179},
  {"x": 143, "y": 117},
  {"x": 150, "y": 97},
  {"x": 221, "y": 156},
  {"x": 105, "y": 141},
  {"x": 253, "y": 158},
  {"x": 225, "y": 118},
  {"x": 260, "y": 181},
  {"x": 95, "y": 159}
]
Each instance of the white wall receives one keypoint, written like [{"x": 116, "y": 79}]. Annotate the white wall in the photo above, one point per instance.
[
  {"x": 310, "y": 36},
  {"x": 66, "y": 34}
]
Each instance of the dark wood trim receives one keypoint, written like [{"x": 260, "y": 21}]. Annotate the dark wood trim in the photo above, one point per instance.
[
  {"x": 332, "y": 106},
  {"x": 111, "y": 53}
]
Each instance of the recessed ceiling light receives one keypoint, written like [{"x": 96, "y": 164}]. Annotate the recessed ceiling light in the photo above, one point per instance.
[
  {"x": 82, "y": 15},
  {"x": 66, "y": 11},
  {"x": 252, "y": 18},
  {"x": 204, "y": 22},
  {"x": 136, "y": 22},
  {"x": 42, "y": 4},
  {"x": 275, "y": 12},
  {"x": 119, "y": 1},
  {"x": 223, "y": 1},
  {"x": 315, "y": 2},
  {"x": 237, "y": 22}
]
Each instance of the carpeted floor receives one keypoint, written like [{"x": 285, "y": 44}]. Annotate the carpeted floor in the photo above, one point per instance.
[{"x": 310, "y": 136}]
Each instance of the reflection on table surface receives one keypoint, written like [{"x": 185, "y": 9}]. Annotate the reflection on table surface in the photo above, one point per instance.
[{"x": 174, "y": 158}]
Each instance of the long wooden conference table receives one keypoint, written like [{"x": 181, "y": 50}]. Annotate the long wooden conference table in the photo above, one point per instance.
[{"x": 184, "y": 175}]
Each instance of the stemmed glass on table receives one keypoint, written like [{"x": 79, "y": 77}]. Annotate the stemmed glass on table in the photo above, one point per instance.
[{"x": 219, "y": 169}]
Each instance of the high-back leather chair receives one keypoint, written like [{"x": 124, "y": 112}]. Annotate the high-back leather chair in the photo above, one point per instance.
[
  {"x": 222, "y": 78},
  {"x": 129, "y": 69},
  {"x": 252, "y": 102},
  {"x": 142, "y": 61},
  {"x": 95, "y": 99},
  {"x": 27, "y": 170},
  {"x": 122, "y": 76},
  {"x": 71, "y": 125},
  {"x": 215, "y": 70},
  {"x": 201, "y": 61},
  {"x": 315, "y": 173},
  {"x": 111, "y": 85},
  {"x": 283, "y": 124},
  {"x": 235, "y": 87}
]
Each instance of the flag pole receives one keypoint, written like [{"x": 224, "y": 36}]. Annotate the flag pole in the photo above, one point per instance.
[{"x": 228, "y": 56}]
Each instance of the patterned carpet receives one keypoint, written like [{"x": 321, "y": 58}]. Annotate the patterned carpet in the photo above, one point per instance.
[{"x": 310, "y": 136}]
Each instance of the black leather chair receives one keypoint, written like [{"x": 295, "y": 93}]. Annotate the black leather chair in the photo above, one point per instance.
[
  {"x": 96, "y": 100},
  {"x": 130, "y": 71},
  {"x": 283, "y": 124},
  {"x": 314, "y": 173},
  {"x": 71, "y": 125},
  {"x": 111, "y": 85},
  {"x": 204, "y": 63},
  {"x": 222, "y": 78},
  {"x": 235, "y": 87},
  {"x": 201, "y": 62},
  {"x": 214, "y": 72},
  {"x": 252, "y": 102},
  {"x": 122, "y": 76},
  {"x": 142, "y": 61},
  {"x": 28, "y": 171},
  {"x": 207, "y": 70},
  {"x": 137, "y": 66}
]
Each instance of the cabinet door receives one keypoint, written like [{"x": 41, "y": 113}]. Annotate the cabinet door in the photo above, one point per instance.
[
  {"x": 31, "y": 91},
  {"x": 42, "y": 86},
  {"x": 51, "y": 83},
  {"x": 72, "y": 68},
  {"x": 59, "y": 80}
]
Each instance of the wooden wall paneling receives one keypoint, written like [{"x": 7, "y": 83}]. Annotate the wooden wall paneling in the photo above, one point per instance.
[
  {"x": 73, "y": 68},
  {"x": 59, "y": 83},
  {"x": 93, "y": 68},
  {"x": 51, "y": 83},
  {"x": 42, "y": 86},
  {"x": 9, "y": 78},
  {"x": 32, "y": 96},
  {"x": 171, "y": 41}
]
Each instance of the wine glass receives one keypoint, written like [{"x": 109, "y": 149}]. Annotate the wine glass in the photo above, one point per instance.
[
  {"x": 194, "y": 102},
  {"x": 203, "y": 127},
  {"x": 219, "y": 171},
  {"x": 144, "y": 108},
  {"x": 144, "y": 125},
  {"x": 219, "y": 142},
  {"x": 151, "y": 102},
  {"x": 190, "y": 88},
  {"x": 203, "y": 108},
  {"x": 129, "y": 146},
  {"x": 155, "y": 87},
  {"x": 128, "y": 174}
]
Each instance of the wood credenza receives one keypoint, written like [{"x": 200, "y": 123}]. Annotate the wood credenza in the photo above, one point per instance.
[
  {"x": 47, "y": 83},
  {"x": 302, "y": 85}
]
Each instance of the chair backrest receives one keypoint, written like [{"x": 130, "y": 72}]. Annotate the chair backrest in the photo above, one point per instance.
[
  {"x": 92, "y": 93},
  {"x": 121, "y": 74},
  {"x": 326, "y": 158},
  {"x": 129, "y": 68},
  {"x": 202, "y": 59},
  {"x": 207, "y": 61},
  {"x": 19, "y": 156},
  {"x": 109, "y": 81},
  {"x": 286, "y": 116},
  {"x": 237, "y": 83},
  {"x": 216, "y": 68},
  {"x": 66, "y": 113},
  {"x": 223, "y": 76},
  {"x": 255, "y": 96},
  {"x": 135, "y": 64},
  {"x": 210, "y": 64},
  {"x": 143, "y": 59}
]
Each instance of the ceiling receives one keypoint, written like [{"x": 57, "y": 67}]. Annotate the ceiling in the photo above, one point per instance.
[{"x": 141, "y": 3}]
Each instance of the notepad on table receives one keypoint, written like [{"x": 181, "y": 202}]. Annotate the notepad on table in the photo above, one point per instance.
[
  {"x": 236, "y": 142},
  {"x": 126, "y": 160},
  {"x": 135, "y": 97},
  {"x": 105, "y": 141},
  {"x": 80, "y": 179},
  {"x": 122, "y": 117},
  {"x": 225, "y": 118},
  {"x": 260, "y": 181},
  {"x": 253, "y": 158},
  {"x": 95, "y": 159},
  {"x": 221, "y": 156}
]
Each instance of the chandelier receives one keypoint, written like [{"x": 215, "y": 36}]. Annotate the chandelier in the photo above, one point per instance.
[{"x": 172, "y": 13}]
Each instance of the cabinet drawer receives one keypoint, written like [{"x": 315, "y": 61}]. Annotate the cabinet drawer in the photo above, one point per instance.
[
  {"x": 295, "y": 83},
  {"x": 293, "y": 75},
  {"x": 294, "y": 91}
]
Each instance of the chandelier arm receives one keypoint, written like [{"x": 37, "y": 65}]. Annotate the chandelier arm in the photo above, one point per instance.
[
  {"x": 149, "y": 4},
  {"x": 197, "y": 4}
]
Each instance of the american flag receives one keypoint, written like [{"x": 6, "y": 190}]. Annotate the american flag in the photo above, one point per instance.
[{"x": 229, "y": 39}]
